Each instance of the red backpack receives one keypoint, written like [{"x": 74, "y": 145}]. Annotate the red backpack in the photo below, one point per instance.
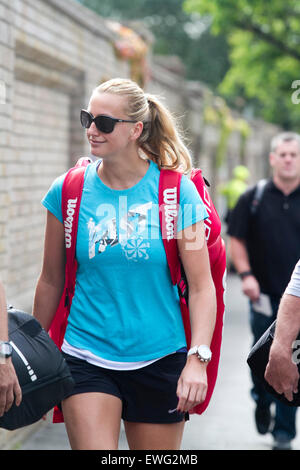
[{"x": 169, "y": 183}]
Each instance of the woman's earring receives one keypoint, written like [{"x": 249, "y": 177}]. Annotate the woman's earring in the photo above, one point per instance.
[{"x": 142, "y": 154}]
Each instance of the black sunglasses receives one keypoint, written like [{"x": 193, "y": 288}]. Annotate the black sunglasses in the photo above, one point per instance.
[{"x": 103, "y": 123}]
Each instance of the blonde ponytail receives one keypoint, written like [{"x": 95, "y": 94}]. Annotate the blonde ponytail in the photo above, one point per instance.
[{"x": 160, "y": 139}]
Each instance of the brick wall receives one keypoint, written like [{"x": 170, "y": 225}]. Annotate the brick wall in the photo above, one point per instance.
[
  {"x": 6, "y": 80},
  {"x": 52, "y": 56}
]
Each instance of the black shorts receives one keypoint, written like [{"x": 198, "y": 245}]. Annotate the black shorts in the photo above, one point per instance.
[{"x": 148, "y": 394}]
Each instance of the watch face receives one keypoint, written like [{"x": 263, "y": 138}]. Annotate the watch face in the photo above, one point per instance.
[
  {"x": 204, "y": 352},
  {"x": 5, "y": 349}
]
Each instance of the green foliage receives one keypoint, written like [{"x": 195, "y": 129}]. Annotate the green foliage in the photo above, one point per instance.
[
  {"x": 176, "y": 32},
  {"x": 264, "y": 39},
  {"x": 250, "y": 54}
]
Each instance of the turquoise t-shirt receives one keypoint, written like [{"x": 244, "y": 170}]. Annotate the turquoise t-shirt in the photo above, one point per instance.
[{"x": 125, "y": 307}]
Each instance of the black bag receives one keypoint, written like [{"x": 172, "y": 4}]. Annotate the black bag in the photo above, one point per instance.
[
  {"x": 43, "y": 374},
  {"x": 258, "y": 359}
]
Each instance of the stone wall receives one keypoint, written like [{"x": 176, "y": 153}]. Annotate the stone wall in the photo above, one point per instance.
[
  {"x": 51, "y": 58},
  {"x": 52, "y": 54}
]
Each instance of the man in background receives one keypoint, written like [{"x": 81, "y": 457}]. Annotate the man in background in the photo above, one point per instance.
[{"x": 264, "y": 247}]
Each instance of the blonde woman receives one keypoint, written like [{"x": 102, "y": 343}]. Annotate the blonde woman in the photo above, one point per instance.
[{"x": 125, "y": 342}]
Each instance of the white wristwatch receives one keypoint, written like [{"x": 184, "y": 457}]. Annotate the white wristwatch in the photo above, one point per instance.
[
  {"x": 203, "y": 352},
  {"x": 5, "y": 349}
]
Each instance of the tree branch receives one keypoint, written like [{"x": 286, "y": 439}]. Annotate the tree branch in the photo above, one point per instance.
[{"x": 246, "y": 25}]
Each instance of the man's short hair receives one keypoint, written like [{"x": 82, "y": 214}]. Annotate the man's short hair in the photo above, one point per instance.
[{"x": 284, "y": 137}]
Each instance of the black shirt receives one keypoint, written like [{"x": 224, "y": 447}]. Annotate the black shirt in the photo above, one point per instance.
[{"x": 272, "y": 235}]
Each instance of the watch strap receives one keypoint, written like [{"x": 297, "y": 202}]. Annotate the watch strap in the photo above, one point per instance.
[
  {"x": 192, "y": 351},
  {"x": 244, "y": 274}
]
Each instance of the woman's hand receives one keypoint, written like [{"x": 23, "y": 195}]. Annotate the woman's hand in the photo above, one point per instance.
[{"x": 192, "y": 384}]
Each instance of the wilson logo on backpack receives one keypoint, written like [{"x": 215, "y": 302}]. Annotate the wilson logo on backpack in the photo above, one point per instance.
[
  {"x": 170, "y": 210},
  {"x": 68, "y": 223},
  {"x": 207, "y": 222}
]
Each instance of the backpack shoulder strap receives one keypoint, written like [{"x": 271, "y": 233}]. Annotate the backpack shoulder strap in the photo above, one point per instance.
[
  {"x": 71, "y": 199},
  {"x": 71, "y": 195},
  {"x": 258, "y": 194},
  {"x": 169, "y": 198}
]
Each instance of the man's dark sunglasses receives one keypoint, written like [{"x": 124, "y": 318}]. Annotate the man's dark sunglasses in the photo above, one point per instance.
[{"x": 103, "y": 123}]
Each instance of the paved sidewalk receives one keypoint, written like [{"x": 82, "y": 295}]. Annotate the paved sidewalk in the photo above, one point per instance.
[{"x": 228, "y": 423}]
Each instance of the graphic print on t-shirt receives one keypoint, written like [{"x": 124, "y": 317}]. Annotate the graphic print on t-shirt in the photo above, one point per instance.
[{"x": 132, "y": 234}]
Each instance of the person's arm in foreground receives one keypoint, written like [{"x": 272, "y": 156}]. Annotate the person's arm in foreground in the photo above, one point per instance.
[
  {"x": 9, "y": 385},
  {"x": 50, "y": 284},
  {"x": 282, "y": 372},
  {"x": 192, "y": 384}
]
